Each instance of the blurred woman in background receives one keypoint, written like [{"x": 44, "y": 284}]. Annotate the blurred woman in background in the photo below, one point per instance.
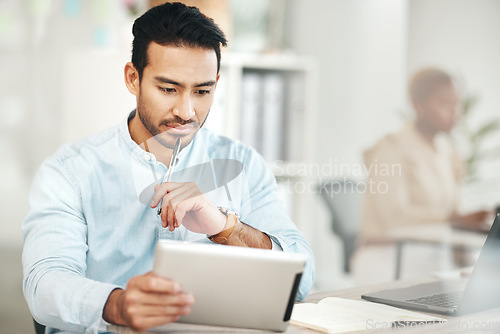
[{"x": 425, "y": 186}]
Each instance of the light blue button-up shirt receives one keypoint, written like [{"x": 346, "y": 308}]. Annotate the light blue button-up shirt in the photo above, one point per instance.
[{"x": 90, "y": 227}]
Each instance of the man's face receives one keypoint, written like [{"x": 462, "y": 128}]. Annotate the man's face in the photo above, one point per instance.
[
  {"x": 441, "y": 109},
  {"x": 176, "y": 92}
]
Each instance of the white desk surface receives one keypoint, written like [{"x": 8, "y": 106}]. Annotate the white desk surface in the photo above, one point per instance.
[{"x": 484, "y": 322}]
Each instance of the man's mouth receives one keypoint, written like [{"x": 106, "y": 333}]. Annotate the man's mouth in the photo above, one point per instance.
[{"x": 180, "y": 129}]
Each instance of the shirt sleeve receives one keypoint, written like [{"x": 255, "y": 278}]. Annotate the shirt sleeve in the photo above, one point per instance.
[
  {"x": 54, "y": 255},
  {"x": 263, "y": 210},
  {"x": 275, "y": 246}
]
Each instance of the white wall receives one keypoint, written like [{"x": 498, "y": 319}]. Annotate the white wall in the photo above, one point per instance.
[
  {"x": 106, "y": 101},
  {"x": 361, "y": 50}
]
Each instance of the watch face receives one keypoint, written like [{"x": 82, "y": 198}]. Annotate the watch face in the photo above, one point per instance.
[{"x": 227, "y": 211}]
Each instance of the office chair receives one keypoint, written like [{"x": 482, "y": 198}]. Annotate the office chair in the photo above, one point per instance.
[{"x": 343, "y": 200}]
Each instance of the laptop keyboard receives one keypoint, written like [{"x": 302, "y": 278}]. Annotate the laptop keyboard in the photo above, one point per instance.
[{"x": 447, "y": 299}]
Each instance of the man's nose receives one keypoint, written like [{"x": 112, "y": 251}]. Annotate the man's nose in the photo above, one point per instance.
[{"x": 184, "y": 107}]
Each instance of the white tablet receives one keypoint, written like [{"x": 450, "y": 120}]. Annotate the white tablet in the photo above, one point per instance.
[{"x": 233, "y": 286}]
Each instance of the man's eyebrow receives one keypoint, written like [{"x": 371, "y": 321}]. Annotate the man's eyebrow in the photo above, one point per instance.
[
  {"x": 170, "y": 81},
  {"x": 208, "y": 83}
]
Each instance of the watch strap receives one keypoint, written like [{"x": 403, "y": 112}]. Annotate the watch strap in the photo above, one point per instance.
[{"x": 221, "y": 237}]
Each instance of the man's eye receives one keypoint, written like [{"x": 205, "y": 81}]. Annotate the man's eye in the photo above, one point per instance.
[
  {"x": 203, "y": 92},
  {"x": 167, "y": 90}
]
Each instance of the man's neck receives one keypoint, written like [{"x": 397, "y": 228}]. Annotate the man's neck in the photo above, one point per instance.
[{"x": 147, "y": 142}]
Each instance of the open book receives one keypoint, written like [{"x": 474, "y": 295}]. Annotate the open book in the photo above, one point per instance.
[{"x": 338, "y": 315}]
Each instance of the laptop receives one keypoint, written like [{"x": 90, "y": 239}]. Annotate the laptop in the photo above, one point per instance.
[
  {"x": 233, "y": 286},
  {"x": 481, "y": 292}
]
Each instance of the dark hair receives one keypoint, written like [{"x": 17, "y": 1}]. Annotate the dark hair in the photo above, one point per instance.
[{"x": 174, "y": 24}]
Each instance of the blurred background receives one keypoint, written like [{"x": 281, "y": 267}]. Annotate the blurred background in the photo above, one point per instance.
[{"x": 328, "y": 77}]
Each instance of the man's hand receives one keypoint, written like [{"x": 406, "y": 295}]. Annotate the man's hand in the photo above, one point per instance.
[
  {"x": 148, "y": 301},
  {"x": 184, "y": 203}
]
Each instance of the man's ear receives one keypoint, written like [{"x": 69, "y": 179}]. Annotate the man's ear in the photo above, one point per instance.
[{"x": 132, "y": 79}]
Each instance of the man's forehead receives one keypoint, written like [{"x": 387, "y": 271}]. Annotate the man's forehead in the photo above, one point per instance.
[
  {"x": 157, "y": 51},
  {"x": 181, "y": 63}
]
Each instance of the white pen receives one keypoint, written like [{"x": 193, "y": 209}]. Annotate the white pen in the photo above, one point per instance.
[{"x": 173, "y": 162}]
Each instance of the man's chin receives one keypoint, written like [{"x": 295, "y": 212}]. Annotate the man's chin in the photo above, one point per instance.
[{"x": 169, "y": 139}]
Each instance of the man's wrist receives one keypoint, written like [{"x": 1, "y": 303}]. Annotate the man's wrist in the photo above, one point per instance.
[
  {"x": 247, "y": 236},
  {"x": 112, "y": 309},
  {"x": 231, "y": 220}
]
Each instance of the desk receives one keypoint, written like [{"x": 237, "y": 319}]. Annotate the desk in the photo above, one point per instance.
[
  {"x": 486, "y": 322},
  {"x": 436, "y": 235}
]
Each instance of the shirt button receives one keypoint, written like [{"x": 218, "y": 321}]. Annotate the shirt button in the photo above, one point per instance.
[{"x": 147, "y": 157}]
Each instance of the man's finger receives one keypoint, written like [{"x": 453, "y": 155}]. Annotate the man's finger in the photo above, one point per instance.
[
  {"x": 180, "y": 204},
  {"x": 160, "y": 191},
  {"x": 162, "y": 310},
  {"x": 153, "y": 283},
  {"x": 170, "y": 214},
  {"x": 183, "y": 193},
  {"x": 164, "y": 213}
]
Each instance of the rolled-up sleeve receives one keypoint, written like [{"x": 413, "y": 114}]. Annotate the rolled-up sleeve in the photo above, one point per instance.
[
  {"x": 54, "y": 255},
  {"x": 262, "y": 209}
]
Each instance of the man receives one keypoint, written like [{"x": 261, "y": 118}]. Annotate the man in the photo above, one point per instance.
[
  {"x": 424, "y": 185},
  {"x": 93, "y": 224}
]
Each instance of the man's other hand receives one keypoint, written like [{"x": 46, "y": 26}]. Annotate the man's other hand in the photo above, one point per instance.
[{"x": 148, "y": 301}]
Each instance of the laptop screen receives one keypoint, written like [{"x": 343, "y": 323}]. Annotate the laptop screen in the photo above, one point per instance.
[{"x": 482, "y": 291}]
